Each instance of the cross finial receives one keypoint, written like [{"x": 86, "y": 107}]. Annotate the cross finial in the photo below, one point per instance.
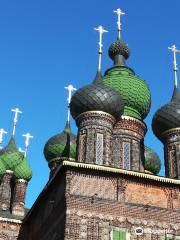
[
  {"x": 21, "y": 150},
  {"x": 27, "y": 136},
  {"x": 70, "y": 90},
  {"x": 175, "y": 50},
  {"x": 119, "y": 12},
  {"x": 15, "y": 120},
  {"x": 2, "y": 132},
  {"x": 101, "y": 30}
]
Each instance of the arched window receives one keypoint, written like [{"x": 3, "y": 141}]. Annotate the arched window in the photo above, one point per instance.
[
  {"x": 99, "y": 149},
  {"x": 126, "y": 155}
]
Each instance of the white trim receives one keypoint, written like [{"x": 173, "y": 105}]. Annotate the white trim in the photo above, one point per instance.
[
  {"x": 121, "y": 171},
  {"x": 10, "y": 220}
]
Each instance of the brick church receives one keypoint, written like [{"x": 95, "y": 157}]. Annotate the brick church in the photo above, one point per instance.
[{"x": 104, "y": 183}]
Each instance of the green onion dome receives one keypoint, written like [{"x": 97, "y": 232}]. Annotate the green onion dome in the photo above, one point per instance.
[
  {"x": 97, "y": 97},
  {"x": 134, "y": 90},
  {"x": 152, "y": 161},
  {"x": 23, "y": 170},
  {"x": 61, "y": 145},
  {"x": 168, "y": 116},
  {"x": 10, "y": 156}
]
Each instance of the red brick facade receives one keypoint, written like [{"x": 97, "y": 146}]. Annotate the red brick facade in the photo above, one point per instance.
[{"x": 83, "y": 203}]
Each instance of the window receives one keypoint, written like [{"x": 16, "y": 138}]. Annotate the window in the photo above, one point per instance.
[
  {"x": 119, "y": 235},
  {"x": 99, "y": 149},
  {"x": 126, "y": 155},
  {"x": 82, "y": 148},
  {"x": 172, "y": 160}
]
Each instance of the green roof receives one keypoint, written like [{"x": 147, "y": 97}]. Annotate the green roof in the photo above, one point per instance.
[
  {"x": 133, "y": 90},
  {"x": 23, "y": 170},
  {"x": 61, "y": 145},
  {"x": 10, "y": 156},
  {"x": 14, "y": 160}
]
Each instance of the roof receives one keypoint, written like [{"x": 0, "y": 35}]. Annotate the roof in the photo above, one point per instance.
[{"x": 121, "y": 171}]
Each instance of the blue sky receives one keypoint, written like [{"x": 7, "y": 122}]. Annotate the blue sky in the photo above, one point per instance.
[{"x": 46, "y": 45}]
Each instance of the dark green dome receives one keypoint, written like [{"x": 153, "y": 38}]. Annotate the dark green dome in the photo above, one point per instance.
[
  {"x": 61, "y": 145},
  {"x": 10, "y": 156},
  {"x": 23, "y": 170},
  {"x": 134, "y": 91},
  {"x": 97, "y": 97},
  {"x": 152, "y": 161},
  {"x": 168, "y": 116}
]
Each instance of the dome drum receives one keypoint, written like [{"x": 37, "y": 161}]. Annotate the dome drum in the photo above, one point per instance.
[{"x": 95, "y": 130}]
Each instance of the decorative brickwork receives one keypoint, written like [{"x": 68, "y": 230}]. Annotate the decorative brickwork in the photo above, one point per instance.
[
  {"x": 171, "y": 140},
  {"x": 92, "y": 125},
  {"x": 97, "y": 203},
  {"x": 129, "y": 131},
  {"x": 5, "y": 190},
  {"x": 9, "y": 229},
  {"x": 18, "y": 205}
]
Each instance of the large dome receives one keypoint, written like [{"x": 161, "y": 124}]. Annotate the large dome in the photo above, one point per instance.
[
  {"x": 152, "y": 161},
  {"x": 134, "y": 91},
  {"x": 61, "y": 145},
  {"x": 97, "y": 97},
  {"x": 168, "y": 116}
]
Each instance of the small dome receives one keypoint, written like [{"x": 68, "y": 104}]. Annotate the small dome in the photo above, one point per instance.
[
  {"x": 61, "y": 145},
  {"x": 134, "y": 91},
  {"x": 168, "y": 116},
  {"x": 10, "y": 156},
  {"x": 119, "y": 48},
  {"x": 96, "y": 97},
  {"x": 23, "y": 170},
  {"x": 152, "y": 161}
]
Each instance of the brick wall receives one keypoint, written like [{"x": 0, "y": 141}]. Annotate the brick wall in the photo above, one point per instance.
[{"x": 85, "y": 204}]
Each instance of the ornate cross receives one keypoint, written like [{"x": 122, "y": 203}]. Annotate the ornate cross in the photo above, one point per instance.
[
  {"x": 119, "y": 12},
  {"x": 27, "y": 139},
  {"x": 101, "y": 30},
  {"x": 2, "y": 132},
  {"x": 70, "y": 90},
  {"x": 17, "y": 112},
  {"x": 174, "y": 50}
]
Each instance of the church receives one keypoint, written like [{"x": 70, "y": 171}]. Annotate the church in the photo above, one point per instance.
[{"x": 103, "y": 183}]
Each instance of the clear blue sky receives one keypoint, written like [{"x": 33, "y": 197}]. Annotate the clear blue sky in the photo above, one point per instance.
[{"x": 46, "y": 45}]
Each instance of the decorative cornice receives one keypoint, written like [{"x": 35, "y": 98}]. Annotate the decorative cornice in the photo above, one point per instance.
[
  {"x": 121, "y": 171},
  {"x": 170, "y": 132},
  {"x": 21, "y": 181},
  {"x": 61, "y": 159},
  {"x": 9, "y": 171},
  {"x": 10, "y": 220},
  {"x": 96, "y": 114},
  {"x": 135, "y": 120},
  {"x": 130, "y": 124}
]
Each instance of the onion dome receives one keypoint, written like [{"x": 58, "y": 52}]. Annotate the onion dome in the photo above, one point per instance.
[
  {"x": 10, "y": 156},
  {"x": 23, "y": 170},
  {"x": 119, "y": 48},
  {"x": 168, "y": 116},
  {"x": 61, "y": 145},
  {"x": 97, "y": 97},
  {"x": 152, "y": 161},
  {"x": 133, "y": 90}
]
